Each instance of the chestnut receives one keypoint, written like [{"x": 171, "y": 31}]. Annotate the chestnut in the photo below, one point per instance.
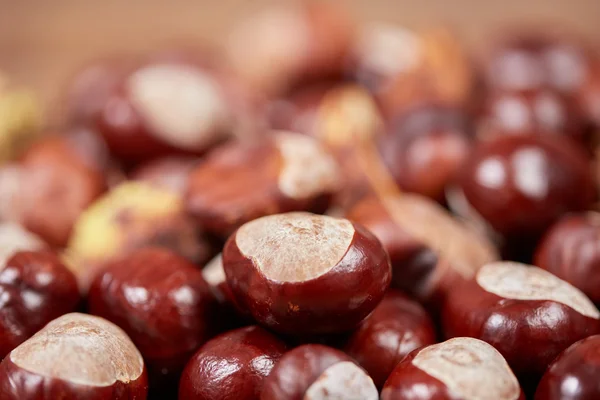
[
  {"x": 430, "y": 251},
  {"x": 573, "y": 375},
  {"x": 526, "y": 313},
  {"x": 170, "y": 173},
  {"x": 75, "y": 357},
  {"x": 246, "y": 180},
  {"x": 520, "y": 185},
  {"x": 161, "y": 300},
  {"x": 570, "y": 251},
  {"x": 233, "y": 365},
  {"x": 459, "y": 368},
  {"x": 15, "y": 238},
  {"x": 397, "y": 326},
  {"x": 314, "y": 372},
  {"x": 301, "y": 273}
]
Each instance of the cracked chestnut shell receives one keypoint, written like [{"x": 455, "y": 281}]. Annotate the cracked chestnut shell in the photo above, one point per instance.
[
  {"x": 302, "y": 273},
  {"x": 232, "y": 365}
]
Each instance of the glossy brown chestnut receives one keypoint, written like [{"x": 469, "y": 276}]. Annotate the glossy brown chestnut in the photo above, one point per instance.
[
  {"x": 161, "y": 300},
  {"x": 526, "y": 313},
  {"x": 398, "y": 326},
  {"x": 574, "y": 374},
  {"x": 302, "y": 273},
  {"x": 460, "y": 368},
  {"x": 570, "y": 251},
  {"x": 425, "y": 147},
  {"x": 519, "y": 185},
  {"x": 430, "y": 251},
  {"x": 170, "y": 173},
  {"x": 233, "y": 365},
  {"x": 313, "y": 372},
  {"x": 243, "y": 181},
  {"x": 75, "y": 357}
]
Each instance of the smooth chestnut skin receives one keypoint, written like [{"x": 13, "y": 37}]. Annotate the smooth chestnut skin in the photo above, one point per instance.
[
  {"x": 233, "y": 365},
  {"x": 425, "y": 147},
  {"x": 526, "y": 313},
  {"x": 570, "y": 251},
  {"x": 297, "y": 374},
  {"x": 462, "y": 368},
  {"x": 574, "y": 374},
  {"x": 97, "y": 362},
  {"x": 398, "y": 326},
  {"x": 303, "y": 274},
  {"x": 36, "y": 288},
  {"x": 520, "y": 185},
  {"x": 171, "y": 173},
  {"x": 161, "y": 301}
]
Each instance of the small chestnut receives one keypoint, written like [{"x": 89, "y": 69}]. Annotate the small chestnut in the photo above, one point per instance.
[
  {"x": 526, "y": 313},
  {"x": 243, "y": 181},
  {"x": 75, "y": 357},
  {"x": 233, "y": 365},
  {"x": 301, "y": 273},
  {"x": 397, "y": 326},
  {"x": 574, "y": 374},
  {"x": 316, "y": 372},
  {"x": 460, "y": 368}
]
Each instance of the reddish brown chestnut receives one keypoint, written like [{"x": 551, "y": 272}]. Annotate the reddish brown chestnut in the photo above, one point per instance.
[
  {"x": 233, "y": 365},
  {"x": 460, "y": 368},
  {"x": 161, "y": 300},
  {"x": 301, "y": 273},
  {"x": 75, "y": 357},
  {"x": 243, "y": 181},
  {"x": 170, "y": 173},
  {"x": 570, "y": 250},
  {"x": 525, "y": 312},
  {"x": 398, "y": 326},
  {"x": 574, "y": 374},
  {"x": 313, "y": 372}
]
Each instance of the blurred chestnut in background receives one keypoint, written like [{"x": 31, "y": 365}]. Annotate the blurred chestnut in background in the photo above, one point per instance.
[
  {"x": 314, "y": 372},
  {"x": 75, "y": 357},
  {"x": 425, "y": 147},
  {"x": 245, "y": 180},
  {"x": 161, "y": 300},
  {"x": 15, "y": 238},
  {"x": 169, "y": 173},
  {"x": 20, "y": 118},
  {"x": 35, "y": 288},
  {"x": 460, "y": 368},
  {"x": 574, "y": 374},
  {"x": 430, "y": 251},
  {"x": 233, "y": 365},
  {"x": 571, "y": 250},
  {"x": 526, "y": 313},
  {"x": 397, "y": 326},
  {"x": 304, "y": 274}
]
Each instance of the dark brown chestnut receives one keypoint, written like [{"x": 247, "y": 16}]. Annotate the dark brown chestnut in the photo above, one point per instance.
[
  {"x": 233, "y": 365},
  {"x": 397, "y": 326},
  {"x": 161, "y": 300},
  {"x": 460, "y": 368},
  {"x": 526, "y": 313},
  {"x": 570, "y": 251},
  {"x": 574, "y": 374},
  {"x": 170, "y": 173},
  {"x": 243, "y": 181},
  {"x": 313, "y": 372},
  {"x": 75, "y": 357},
  {"x": 301, "y": 273}
]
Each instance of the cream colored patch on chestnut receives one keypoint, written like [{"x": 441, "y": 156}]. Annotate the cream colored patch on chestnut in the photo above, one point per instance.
[
  {"x": 517, "y": 281},
  {"x": 308, "y": 169},
  {"x": 470, "y": 368},
  {"x": 82, "y": 349},
  {"x": 213, "y": 272},
  {"x": 295, "y": 247},
  {"x": 14, "y": 238},
  {"x": 183, "y": 105},
  {"x": 342, "y": 381}
]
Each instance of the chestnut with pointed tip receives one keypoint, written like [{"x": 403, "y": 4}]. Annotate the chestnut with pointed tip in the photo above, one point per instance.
[
  {"x": 460, "y": 368},
  {"x": 301, "y": 273},
  {"x": 75, "y": 357},
  {"x": 233, "y": 365}
]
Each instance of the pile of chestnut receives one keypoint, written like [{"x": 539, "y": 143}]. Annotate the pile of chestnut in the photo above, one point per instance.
[{"x": 317, "y": 210}]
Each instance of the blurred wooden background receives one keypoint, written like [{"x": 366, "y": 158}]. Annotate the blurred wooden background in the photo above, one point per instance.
[{"x": 43, "y": 41}]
